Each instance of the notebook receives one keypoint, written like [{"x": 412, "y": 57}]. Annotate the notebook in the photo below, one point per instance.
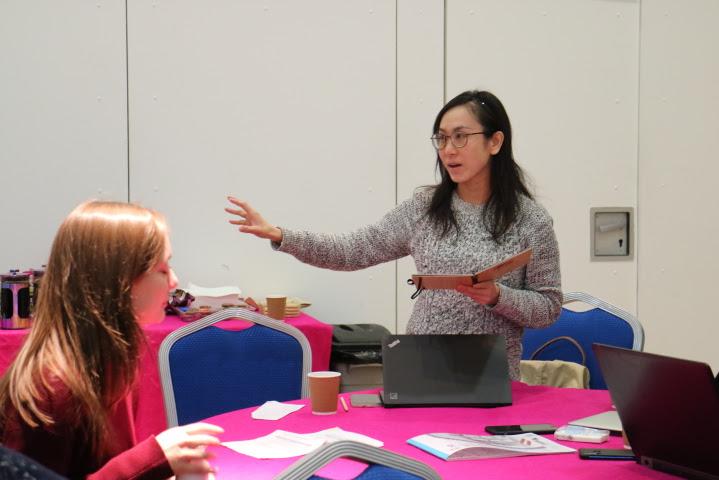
[
  {"x": 492, "y": 272},
  {"x": 445, "y": 370},
  {"x": 669, "y": 408}
]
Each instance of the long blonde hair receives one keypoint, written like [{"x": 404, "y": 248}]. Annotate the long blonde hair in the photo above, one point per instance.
[{"x": 84, "y": 331}]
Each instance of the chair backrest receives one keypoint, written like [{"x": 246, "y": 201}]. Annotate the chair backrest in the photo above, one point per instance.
[
  {"x": 383, "y": 463},
  {"x": 206, "y": 370},
  {"x": 14, "y": 465},
  {"x": 604, "y": 323}
]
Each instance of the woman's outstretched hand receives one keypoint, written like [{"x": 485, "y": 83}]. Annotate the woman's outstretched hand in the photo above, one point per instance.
[
  {"x": 186, "y": 447},
  {"x": 252, "y": 222},
  {"x": 486, "y": 293}
]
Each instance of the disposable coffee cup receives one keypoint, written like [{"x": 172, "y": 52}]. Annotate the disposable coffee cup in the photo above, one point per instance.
[
  {"x": 276, "y": 306},
  {"x": 324, "y": 390}
]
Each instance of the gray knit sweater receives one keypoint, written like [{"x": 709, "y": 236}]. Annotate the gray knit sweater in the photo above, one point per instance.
[{"x": 529, "y": 297}]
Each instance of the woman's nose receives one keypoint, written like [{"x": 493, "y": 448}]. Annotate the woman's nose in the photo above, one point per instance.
[
  {"x": 173, "y": 280},
  {"x": 449, "y": 148}
]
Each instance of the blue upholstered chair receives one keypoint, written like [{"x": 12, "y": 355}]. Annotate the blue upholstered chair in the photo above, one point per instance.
[
  {"x": 15, "y": 465},
  {"x": 384, "y": 465},
  {"x": 206, "y": 370},
  {"x": 604, "y": 323}
]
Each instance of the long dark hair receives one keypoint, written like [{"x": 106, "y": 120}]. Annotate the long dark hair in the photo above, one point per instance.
[{"x": 507, "y": 182}]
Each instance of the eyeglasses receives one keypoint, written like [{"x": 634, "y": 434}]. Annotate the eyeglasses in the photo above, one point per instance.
[{"x": 458, "y": 139}]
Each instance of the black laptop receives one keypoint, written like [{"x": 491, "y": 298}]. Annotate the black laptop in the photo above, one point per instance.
[
  {"x": 669, "y": 409},
  {"x": 445, "y": 370}
]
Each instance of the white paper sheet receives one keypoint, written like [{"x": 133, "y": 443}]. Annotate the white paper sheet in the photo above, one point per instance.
[
  {"x": 336, "y": 433},
  {"x": 283, "y": 444},
  {"x": 274, "y": 410}
]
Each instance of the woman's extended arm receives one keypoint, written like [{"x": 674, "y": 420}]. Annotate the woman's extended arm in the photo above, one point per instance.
[{"x": 385, "y": 240}]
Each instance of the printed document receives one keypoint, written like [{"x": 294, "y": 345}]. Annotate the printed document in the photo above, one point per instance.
[{"x": 457, "y": 446}]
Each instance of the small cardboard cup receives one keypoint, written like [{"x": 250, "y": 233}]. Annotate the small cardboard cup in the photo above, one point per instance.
[
  {"x": 324, "y": 390},
  {"x": 276, "y": 306}
]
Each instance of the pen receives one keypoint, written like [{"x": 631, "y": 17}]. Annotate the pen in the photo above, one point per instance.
[{"x": 344, "y": 404}]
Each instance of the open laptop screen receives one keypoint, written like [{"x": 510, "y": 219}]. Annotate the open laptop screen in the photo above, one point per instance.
[
  {"x": 456, "y": 370},
  {"x": 669, "y": 408}
]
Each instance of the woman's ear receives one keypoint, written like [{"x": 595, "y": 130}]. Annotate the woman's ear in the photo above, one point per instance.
[{"x": 495, "y": 142}]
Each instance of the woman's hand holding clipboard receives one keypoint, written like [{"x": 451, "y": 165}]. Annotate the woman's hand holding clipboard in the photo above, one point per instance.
[{"x": 451, "y": 282}]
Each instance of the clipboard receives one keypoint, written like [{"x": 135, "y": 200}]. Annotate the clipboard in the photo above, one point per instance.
[{"x": 451, "y": 282}]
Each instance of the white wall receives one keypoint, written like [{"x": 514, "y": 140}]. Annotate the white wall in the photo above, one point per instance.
[
  {"x": 678, "y": 153},
  {"x": 63, "y": 118},
  {"x": 319, "y": 113}
]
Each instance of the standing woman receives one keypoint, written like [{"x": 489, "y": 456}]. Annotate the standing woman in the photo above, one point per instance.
[
  {"x": 66, "y": 400},
  {"x": 480, "y": 213}
]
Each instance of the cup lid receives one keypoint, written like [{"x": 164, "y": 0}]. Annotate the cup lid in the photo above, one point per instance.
[{"x": 325, "y": 374}]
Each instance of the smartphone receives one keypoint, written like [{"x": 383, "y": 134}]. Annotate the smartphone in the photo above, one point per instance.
[
  {"x": 606, "y": 454},
  {"x": 515, "y": 429}
]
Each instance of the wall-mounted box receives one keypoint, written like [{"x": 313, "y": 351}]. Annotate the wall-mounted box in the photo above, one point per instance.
[{"x": 611, "y": 233}]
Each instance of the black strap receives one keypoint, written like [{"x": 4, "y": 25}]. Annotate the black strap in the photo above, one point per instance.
[
  {"x": 556, "y": 339},
  {"x": 416, "y": 292}
]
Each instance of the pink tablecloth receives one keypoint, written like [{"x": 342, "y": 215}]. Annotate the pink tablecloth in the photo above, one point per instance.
[
  {"x": 395, "y": 426},
  {"x": 149, "y": 407}
]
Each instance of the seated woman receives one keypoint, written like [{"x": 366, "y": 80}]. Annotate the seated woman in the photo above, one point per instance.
[{"x": 66, "y": 400}]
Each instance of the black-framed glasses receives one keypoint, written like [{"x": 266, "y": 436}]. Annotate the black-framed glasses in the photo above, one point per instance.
[{"x": 458, "y": 139}]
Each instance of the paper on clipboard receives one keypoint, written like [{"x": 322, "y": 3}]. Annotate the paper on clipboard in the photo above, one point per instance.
[{"x": 434, "y": 282}]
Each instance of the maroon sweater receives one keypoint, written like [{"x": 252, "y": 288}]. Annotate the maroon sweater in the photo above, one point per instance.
[{"x": 63, "y": 449}]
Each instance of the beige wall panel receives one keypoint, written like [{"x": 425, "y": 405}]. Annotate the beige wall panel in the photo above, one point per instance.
[
  {"x": 63, "y": 123},
  {"x": 679, "y": 145}
]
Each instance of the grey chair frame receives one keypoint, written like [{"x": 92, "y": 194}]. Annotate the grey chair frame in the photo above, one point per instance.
[
  {"x": 305, "y": 467},
  {"x": 637, "y": 328},
  {"x": 241, "y": 313}
]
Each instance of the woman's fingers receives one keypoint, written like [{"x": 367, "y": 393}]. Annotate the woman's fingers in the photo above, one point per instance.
[
  {"x": 185, "y": 447},
  {"x": 194, "y": 454},
  {"x": 484, "y": 292},
  {"x": 202, "y": 427},
  {"x": 236, "y": 211},
  {"x": 244, "y": 206},
  {"x": 235, "y": 201},
  {"x": 251, "y": 221},
  {"x": 245, "y": 211},
  {"x": 199, "y": 440}
]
